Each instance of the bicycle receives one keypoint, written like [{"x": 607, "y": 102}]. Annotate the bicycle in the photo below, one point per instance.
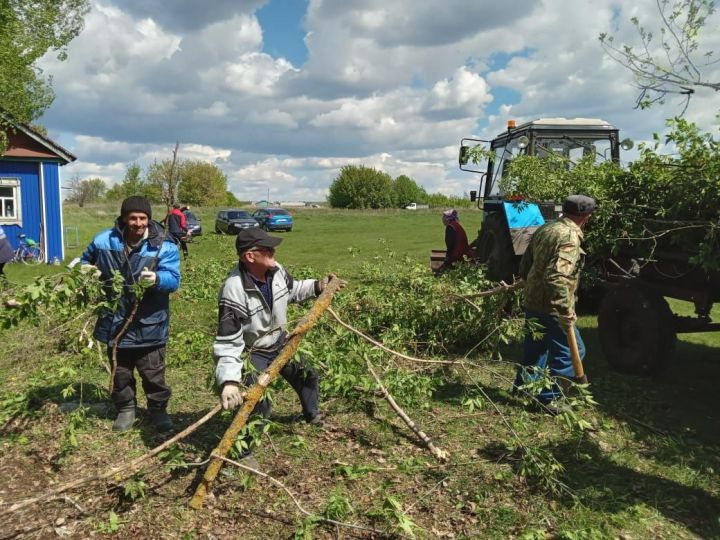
[{"x": 28, "y": 252}]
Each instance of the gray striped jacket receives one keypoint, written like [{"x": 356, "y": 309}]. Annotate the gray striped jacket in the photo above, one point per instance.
[{"x": 246, "y": 320}]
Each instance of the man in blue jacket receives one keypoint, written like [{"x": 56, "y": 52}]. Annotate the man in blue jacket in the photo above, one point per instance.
[{"x": 141, "y": 251}]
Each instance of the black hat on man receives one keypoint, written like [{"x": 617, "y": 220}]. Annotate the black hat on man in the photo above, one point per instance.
[
  {"x": 136, "y": 203},
  {"x": 254, "y": 237},
  {"x": 579, "y": 205}
]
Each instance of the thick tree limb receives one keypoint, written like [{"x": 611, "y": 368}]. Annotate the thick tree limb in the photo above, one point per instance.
[
  {"x": 441, "y": 455},
  {"x": 113, "y": 472},
  {"x": 256, "y": 392}
]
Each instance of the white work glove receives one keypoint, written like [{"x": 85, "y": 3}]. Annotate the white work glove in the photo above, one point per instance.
[
  {"x": 322, "y": 283},
  {"x": 90, "y": 269},
  {"x": 148, "y": 277},
  {"x": 231, "y": 397},
  {"x": 566, "y": 321}
]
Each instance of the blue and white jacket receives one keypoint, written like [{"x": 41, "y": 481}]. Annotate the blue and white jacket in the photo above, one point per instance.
[
  {"x": 246, "y": 319},
  {"x": 159, "y": 254}
]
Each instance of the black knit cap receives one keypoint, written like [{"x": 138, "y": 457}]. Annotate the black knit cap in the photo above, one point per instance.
[
  {"x": 254, "y": 237},
  {"x": 579, "y": 205},
  {"x": 136, "y": 203}
]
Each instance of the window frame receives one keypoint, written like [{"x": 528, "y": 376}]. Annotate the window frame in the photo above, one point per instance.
[{"x": 13, "y": 183}]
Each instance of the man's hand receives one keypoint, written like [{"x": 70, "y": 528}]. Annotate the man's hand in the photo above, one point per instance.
[
  {"x": 148, "y": 277},
  {"x": 322, "y": 283},
  {"x": 566, "y": 321},
  {"x": 90, "y": 269},
  {"x": 231, "y": 397}
]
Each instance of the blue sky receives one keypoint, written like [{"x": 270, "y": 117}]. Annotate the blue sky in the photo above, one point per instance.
[
  {"x": 281, "y": 94},
  {"x": 283, "y": 32}
]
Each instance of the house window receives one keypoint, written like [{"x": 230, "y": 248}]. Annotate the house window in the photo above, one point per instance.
[{"x": 10, "y": 201}]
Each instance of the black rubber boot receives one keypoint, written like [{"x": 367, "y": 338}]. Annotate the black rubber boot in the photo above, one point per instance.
[
  {"x": 161, "y": 420},
  {"x": 125, "y": 418}
]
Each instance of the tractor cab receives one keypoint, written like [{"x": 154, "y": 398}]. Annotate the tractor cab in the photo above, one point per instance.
[{"x": 507, "y": 226}]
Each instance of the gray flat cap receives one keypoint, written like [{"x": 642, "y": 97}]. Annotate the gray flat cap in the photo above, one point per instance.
[{"x": 579, "y": 205}]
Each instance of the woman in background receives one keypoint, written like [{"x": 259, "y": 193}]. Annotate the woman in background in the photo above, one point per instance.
[
  {"x": 456, "y": 242},
  {"x": 6, "y": 252}
]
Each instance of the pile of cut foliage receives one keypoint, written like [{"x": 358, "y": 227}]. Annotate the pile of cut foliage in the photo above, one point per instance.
[{"x": 659, "y": 200}]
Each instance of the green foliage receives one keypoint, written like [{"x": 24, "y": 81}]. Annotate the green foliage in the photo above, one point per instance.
[
  {"x": 231, "y": 199},
  {"x": 202, "y": 183},
  {"x": 173, "y": 458},
  {"x": 250, "y": 436},
  {"x": 163, "y": 178},
  {"x": 305, "y": 528},
  {"x": 58, "y": 298},
  {"x": 338, "y": 506},
  {"x": 132, "y": 184},
  {"x": 112, "y": 525},
  {"x": 77, "y": 419},
  {"x": 361, "y": 187},
  {"x": 397, "y": 521},
  {"x": 406, "y": 190},
  {"x": 29, "y": 30},
  {"x": 13, "y": 405},
  {"x": 86, "y": 191},
  {"x": 438, "y": 200},
  {"x": 134, "y": 488},
  {"x": 662, "y": 201},
  {"x": 189, "y": 347},
  {"x": 354, "y": 472}
]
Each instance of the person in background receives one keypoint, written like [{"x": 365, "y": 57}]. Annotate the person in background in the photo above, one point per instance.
[
  {"x": 252, "y": 314},
  {"x": 177, "y": 225},
  {"x": 456, "y": 242},
  {"x": 551, "y": 269},
  {"x": 139, "y": 249},
  {"x": 6, "y": 252}
]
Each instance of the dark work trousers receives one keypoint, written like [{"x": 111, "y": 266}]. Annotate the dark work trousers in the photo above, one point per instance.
[
  {"x": 150, "y": 363},
  {"x": 302, "y": 377},
  {"x": 180, "y": 239}
]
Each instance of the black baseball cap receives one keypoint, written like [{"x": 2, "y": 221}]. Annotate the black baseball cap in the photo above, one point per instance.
[
  {"x": 254, "y": 237},
  {"x": 579, "y": 205}
]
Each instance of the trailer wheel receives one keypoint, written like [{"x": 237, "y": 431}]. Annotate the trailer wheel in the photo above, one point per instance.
[
  {"x": 637, "y": 333},
  {"x": 494, "y": 248}
]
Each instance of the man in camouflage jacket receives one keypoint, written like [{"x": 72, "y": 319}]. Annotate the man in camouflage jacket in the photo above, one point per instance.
[{"x": 551, "y": 269}]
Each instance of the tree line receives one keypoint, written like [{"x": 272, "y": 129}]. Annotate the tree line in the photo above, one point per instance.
[
  {"x": 192, "y": 182},
  {"x": 358, "y": 186}
]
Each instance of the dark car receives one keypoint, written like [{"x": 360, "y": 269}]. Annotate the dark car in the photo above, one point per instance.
[
  {"x": 232, "y": 221},
  {"x": 193, "y": 224},
  {"x": 274, "y": 219}
]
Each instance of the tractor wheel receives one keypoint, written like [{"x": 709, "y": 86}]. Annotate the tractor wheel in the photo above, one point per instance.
[
  {"x": 637, "y": 331},
  {"x": 495, "y": 249}
]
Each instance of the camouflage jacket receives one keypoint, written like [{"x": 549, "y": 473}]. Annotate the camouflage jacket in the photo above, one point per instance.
[{"x": 551, "y": 268}]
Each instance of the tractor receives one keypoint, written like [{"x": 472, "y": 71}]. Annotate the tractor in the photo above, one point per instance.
[{"x": 636, "y": 326}]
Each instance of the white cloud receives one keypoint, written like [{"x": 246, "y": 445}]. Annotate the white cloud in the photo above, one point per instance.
[
  {"x": 388, "y": 84},
  {"x": 256, "y": 74}
]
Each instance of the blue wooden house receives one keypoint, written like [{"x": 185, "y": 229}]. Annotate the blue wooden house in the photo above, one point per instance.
[{"x": 30, "y": 200}]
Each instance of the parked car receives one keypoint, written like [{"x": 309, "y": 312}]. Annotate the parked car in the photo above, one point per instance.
[
  {"x": 274, "y": 219},
  {"x": 193, "y": 224},
  {"x": 232, "y": 221}
]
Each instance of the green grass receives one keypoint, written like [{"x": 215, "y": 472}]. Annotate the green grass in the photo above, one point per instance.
[{"x": 649, "y": 470}]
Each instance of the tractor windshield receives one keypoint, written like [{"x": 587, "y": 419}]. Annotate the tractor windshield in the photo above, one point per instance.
[
  {"x": 574, "y": 149},
  {"x": 503, "y": 156}
]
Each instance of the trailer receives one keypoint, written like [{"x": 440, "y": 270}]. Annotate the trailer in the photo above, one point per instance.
[{"x": 638, "y": 331}]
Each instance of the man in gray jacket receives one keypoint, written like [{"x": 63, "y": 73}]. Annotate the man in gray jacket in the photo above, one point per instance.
[{"x": 253, "y": 314}]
